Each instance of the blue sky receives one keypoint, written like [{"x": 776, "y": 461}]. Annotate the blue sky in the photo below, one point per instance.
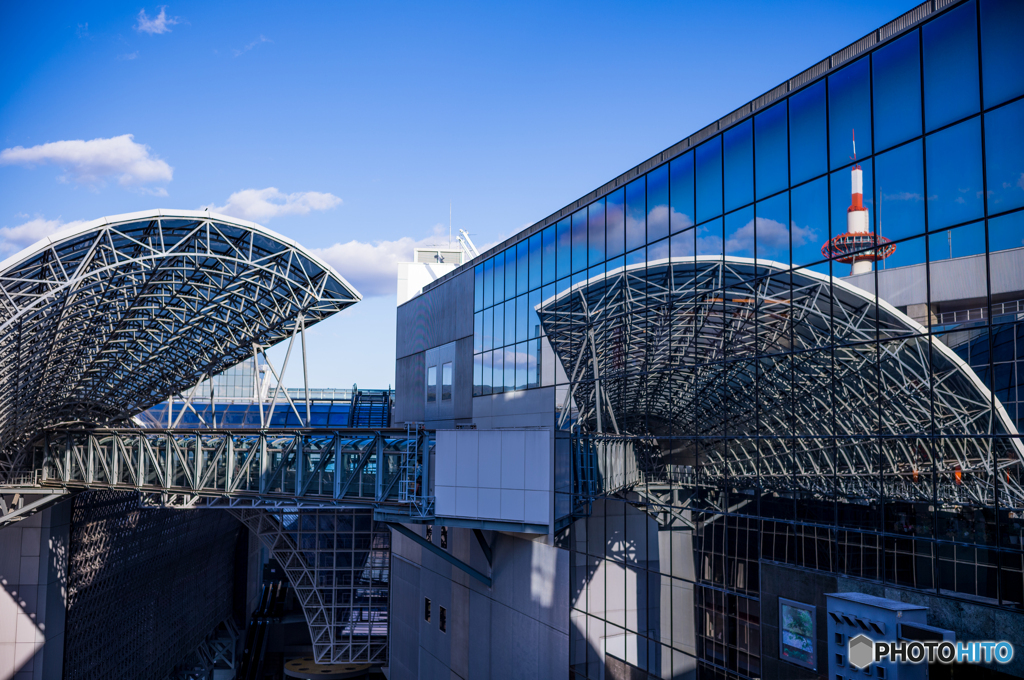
[{"x": 350, "y": 126}]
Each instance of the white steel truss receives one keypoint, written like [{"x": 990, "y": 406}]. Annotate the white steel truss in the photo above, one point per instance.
[
  {"x": 757, "y": 373},
  {"x": 102, "y": 321},
  {"x": 338, "y": 562},
  {"x": 237, "y": 468}
]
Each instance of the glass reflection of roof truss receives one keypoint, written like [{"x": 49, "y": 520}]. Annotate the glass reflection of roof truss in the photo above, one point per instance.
[
  {"x": 102, "y": 321},
  {"x": 768, "y": 376}
]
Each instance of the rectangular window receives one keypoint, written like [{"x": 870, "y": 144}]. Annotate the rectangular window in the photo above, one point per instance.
[
  {"x": 797, "y": 639},
  {"x": 636, "y": 213},
  {"x": 579, "y": 240},
  {"x": 535, "y": 261},
  {"x": 951, "y": 89},
  {"x": 444, "y": 541},
  {"x": 595, "y": 226},
  {"x": 432, "y": 384},
  {"x": 426, "y": 609},
  {"x": 443, "y": 621},
  {"x": 430, "y": 533},
  {"x": 446, "y": 381}
]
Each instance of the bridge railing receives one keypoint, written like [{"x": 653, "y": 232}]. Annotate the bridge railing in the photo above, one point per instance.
[{"x": 351, "y": 465}]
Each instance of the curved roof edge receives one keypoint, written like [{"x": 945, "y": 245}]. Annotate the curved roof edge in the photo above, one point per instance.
[
  {"x": 858, "y": 292},
  {"x": 160, "y": 213}
]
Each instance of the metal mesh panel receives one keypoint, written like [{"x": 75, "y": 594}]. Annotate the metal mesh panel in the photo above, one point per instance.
[{"x": 145, "y": 586}]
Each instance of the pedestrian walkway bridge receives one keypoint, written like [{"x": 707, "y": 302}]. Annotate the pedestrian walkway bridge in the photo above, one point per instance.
[{"x": 236, "y": 468}]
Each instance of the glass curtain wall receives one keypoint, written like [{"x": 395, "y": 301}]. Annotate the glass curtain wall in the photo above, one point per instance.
[{"x": 931, "y": 122}]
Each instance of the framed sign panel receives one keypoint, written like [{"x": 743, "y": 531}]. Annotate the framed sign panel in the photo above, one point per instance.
[{"x": 797, "y": 633}]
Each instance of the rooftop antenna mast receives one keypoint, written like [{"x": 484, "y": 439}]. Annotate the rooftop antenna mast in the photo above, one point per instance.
[{"x": 468, "y": 244}]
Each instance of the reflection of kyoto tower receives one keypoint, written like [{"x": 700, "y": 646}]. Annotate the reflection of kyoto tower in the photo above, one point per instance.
[{"x": 859, "y": 246}]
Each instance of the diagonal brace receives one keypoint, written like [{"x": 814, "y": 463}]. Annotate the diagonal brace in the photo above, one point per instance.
[{"x": 443, "y": 554}]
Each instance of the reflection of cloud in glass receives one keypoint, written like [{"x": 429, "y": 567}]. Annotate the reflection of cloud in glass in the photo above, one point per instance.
[
  {"x": 678, "y": 220},
  {"x": 772, "y": 236},
  {"x": 903, "y": 196}
]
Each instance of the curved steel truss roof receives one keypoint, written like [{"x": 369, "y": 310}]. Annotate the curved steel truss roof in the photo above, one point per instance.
[
  {"x": 102, "y": 321},
  {"x": 790, "y": 379}
]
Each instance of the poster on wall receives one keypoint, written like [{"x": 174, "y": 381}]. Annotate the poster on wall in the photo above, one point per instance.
[{"x": 797, "y": 633}]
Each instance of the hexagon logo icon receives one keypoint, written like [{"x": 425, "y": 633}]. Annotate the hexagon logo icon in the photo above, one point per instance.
[{"x": 861, "y": 651}]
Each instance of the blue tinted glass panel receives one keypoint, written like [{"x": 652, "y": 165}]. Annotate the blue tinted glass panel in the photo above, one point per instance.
[
  {"x": 549, "y": 255},
  {"x": 488, "y": 341},
  {"x": 896, "y": 71},
  {"x": 1002, "y": 50},
  {"x": 1006, "y": 231},
  {"x": 563, "y": 235},
  {"x": 907, "y": 253},
  {"x": 522, "y": 266},
  {"x": 738, "y": 154},
  {"x": 658, "y": 250},
  {"x": 522, "y": 318},
  {"x": 478, "y": 287},
  {"x": 478, "y": 332},
  {"x": 709, "y": 179},
  {"x": 636, "y": 210},
  {"x": 954, "y": 175},
  {"x": 709, "y": 238},
  {"x": 579, "y": 240},
  {"x": 521, "y": 363},
  {"x": 772, "y": 155},
  {"x": 533, "y": 367},
  {"x": 951, "y": 67},
  {"x": 635, "y": 258},
  {"x": 498, "y": 373},
  {"x": 510, "y": 322},
  {"x": 532, "y": 319},
  {"x": 499, "y": 277},
  {"x": 535, "y": 261},
  {"x": 957, "y": 242},
  {"x": 809, "y": 206},
  {"x": 657, "y": 203},
  {"x": 595, "y": 235},
  {"x": 489, "y": 282},
  {"x": 615, "y": 264},
  {"x": 807, "y": 133},
  {"x": 681, "y": 175},
  {"x": 510, "y": 271},
  {"x": 486, "y": 380},
  {"x": 772, "y": 232},
  {"x": 900, "y": 190},
  {"x": 683, "y": 243},
  {"x": 510, "y": 368},
  {"x": 499, "y": 325},
  {"x": 1004, "y": 157},
  {"x": 849, "y": 112},
  {"x": 739, "y": 233},
  {"x": 596, "y": 271},
  {"x": 615, "y": 217},
  {"x": 478, "y": 372},
  {"x": 842, "y": 196}
]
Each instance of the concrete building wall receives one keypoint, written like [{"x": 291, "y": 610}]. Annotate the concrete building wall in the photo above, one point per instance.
[
  {"x": 518, "y": 628},
  {"x": 33, "y": 583}
]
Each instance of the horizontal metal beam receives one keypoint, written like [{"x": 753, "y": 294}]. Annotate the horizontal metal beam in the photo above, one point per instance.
[{"x": 443, "y": 554}]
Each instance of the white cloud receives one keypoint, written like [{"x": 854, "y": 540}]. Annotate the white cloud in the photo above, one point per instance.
[
  {"x": 156, "y": 26},
  {"x": 251, "y": 45},
  {"x": 89, "y": 162},
  {"x": 13, "y": 239},
  {"x": 903, "y": 196},
  {"x": 373, "y": 267},
  {"x": 772, "y": 237},
  {"x": 129, "y": 56},
  {"x": 261, "y": 205}
]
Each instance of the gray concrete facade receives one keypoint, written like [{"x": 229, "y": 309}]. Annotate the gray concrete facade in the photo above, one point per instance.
[
  {"x": 518, "y": 628},
  {"x": 33, "y": 576}
]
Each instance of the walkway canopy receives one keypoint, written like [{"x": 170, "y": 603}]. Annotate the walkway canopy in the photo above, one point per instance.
[
  {"x": 761, "y": 375},
  {"x": 100, "y": 322}
]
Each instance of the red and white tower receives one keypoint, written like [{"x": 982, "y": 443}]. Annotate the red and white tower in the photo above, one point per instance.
[{"x": 859, "y": 246}]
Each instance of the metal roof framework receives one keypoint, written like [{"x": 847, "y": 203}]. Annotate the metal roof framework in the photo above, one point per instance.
[
  {"x": 786, "y": 379},
  {"x": 100, "y": 322}
]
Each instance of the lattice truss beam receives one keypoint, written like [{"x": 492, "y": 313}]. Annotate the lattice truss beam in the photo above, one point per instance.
[
  {"x": 221, "y": 468},
  {"x": 338, "y": 562},
  {"x": 101, "y": 322},
  {"x": 788, "y": 379}
]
